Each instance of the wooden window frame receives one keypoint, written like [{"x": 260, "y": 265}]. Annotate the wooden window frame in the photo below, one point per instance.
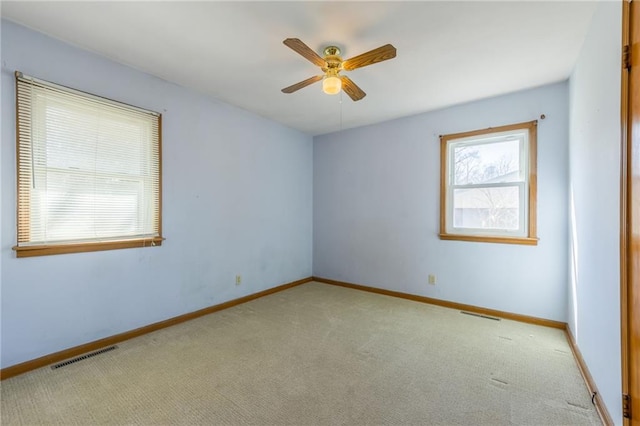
[
  {"x": 77, "y": 247},
  {"x": 531, "y": 226}
]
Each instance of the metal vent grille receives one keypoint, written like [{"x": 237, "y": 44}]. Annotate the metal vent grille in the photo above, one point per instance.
[
  {"x": 480, "y": 315},
  {"x": 80, "y": 358}
]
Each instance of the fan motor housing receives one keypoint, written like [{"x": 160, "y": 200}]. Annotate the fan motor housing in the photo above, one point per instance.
[{"x": 333, "y": 59}]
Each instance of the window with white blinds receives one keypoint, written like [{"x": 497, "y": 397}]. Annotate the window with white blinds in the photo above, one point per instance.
[{"x": 89, "y": 171}]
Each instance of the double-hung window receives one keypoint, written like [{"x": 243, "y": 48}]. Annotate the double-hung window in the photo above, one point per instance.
[
  {"x": 89, "y": 171},
  {"x": 488, "y": 185}
]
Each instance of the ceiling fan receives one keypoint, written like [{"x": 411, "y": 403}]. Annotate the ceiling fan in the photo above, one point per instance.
[{"x": 332, "y": 64}]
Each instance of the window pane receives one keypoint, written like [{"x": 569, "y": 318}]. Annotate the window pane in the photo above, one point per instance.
[
  {"x": 84, "y": 207},
  {"x": 487, "y": 162},
  {"x": 487, "y": 208}
]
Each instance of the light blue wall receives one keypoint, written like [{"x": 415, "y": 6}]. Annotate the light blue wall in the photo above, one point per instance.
[
  {"x": 376, "y": 209},
  {"x": 594, "y": 154},
  {"x": 237, "y": 200}
]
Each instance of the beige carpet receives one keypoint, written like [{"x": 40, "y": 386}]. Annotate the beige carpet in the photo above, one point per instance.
[{"x": 317, "y": 355}]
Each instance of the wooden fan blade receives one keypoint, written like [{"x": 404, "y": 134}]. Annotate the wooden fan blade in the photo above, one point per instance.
[
  {"x": 302, "y": 84},
  {"x": 304, "y": 50},
  {"x": 352, "y": 89},
  {"x": 380, "y": 54}
]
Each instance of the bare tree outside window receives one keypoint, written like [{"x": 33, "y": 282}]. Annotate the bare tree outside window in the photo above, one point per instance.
[{"x": 487, "y": 208}]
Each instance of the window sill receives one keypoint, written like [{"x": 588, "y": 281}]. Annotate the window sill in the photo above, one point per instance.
[
  {"x": 531, "y": 241},
  {"x": 46, "y": 250}
]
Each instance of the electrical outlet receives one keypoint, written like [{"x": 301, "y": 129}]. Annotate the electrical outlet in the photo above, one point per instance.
[
  {"x": 238, "y": 279},
  {"x": 432, "y": 279}
]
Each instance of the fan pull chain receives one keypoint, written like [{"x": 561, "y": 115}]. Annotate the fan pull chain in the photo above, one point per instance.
[{"x": 341, "y": 110}]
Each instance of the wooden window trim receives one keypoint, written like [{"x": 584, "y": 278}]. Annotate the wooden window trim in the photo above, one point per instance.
[
  {"x": 531, "y": 238},
  {"x": 490, "y": 239},
  {"x": 45, "y": 250}
]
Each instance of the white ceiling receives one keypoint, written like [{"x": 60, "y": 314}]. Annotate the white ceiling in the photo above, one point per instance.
[{"x": 447, "y": 52}]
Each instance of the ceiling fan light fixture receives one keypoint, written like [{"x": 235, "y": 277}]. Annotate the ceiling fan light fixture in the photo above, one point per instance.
[
  {"x": 331, "y": 65},
  {"x": 331, "y": 85}
]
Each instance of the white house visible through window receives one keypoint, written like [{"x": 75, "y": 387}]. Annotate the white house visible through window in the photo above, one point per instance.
[
  {"x": 88, "y": 172},
  {"x": 488, "y": 185}
]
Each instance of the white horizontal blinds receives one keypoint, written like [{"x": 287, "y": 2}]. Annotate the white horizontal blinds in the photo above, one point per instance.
[{"x": 89, "y": 168}]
